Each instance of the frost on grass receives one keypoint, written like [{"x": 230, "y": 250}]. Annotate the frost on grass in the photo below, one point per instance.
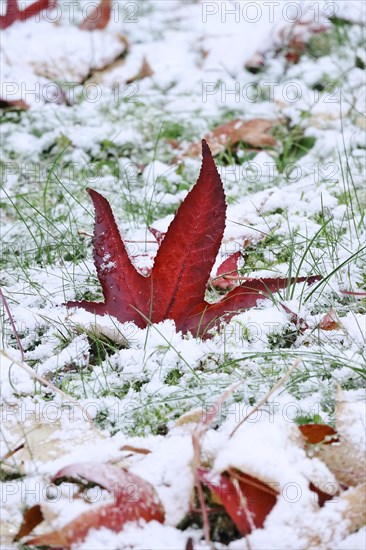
[{"x": 136, "y": 383}]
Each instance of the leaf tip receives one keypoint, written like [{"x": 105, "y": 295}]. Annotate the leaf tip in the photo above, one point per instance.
[{"x": 206, "y": 151}]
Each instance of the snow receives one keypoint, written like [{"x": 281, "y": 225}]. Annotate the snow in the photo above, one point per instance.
[{"x": 129, "y": 386}]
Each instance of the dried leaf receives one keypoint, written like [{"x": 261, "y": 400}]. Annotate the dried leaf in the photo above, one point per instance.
[
  {"x": 255, "y": 133},
  {"x": 134, "y": 499},
  {"x": 190, "y": 417},
  {"x": 138, "y": 450},
  {"x": 294, "y": 39},
  {"x": 97, "y": 330},
  {"x": 98, "y": 18},
  {"x": 31, "y": 518},
  {"x": 348, "y": 515},
  {"x": 347, "y": 458},
  {"x": 144, "y": 72},
  {"x": 330, "y": 321},
  {"x": 355, "y": 507},
  {"x": 15, "y": 104},
  {"x": 322, "y": 496},
  {"x": 299, "y": 322}
]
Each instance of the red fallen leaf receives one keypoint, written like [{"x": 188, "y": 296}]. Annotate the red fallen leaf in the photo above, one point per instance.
[
  {"x": 176, "y": 287},
  {"x": 295, "y": 319},
  {"x": 227, "y": 272},
  {"x": 13, "y": 13},
  {"x": 330, "y": 321},
  {"x": 318, "y": 433},
  {"x": 247, "y": 500},
  {"x": 135, "y": 499},
  {"x": 98, "y": 18}
]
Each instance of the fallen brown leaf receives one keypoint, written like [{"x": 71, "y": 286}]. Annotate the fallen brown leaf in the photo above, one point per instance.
[
  {"x": 16, "y": 104},
  {"x": 144, "y": 72},
  {"x": 330, "y": 321},
  {"x": 31, "y": 518},
  {"x": 346, "y": 459},
  {"x": 255, "y": 133}
]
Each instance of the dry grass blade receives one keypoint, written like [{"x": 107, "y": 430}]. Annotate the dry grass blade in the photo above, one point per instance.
[
  {"x": 265, "y": 398},
  {"x": 35, "y": 376}
]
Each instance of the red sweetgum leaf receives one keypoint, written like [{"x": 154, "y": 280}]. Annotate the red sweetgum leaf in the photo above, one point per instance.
[
  {"x": 186, "y": 256},
  {"x": 175, "y": 287},
  {"x": 125, "y": 290},
  {"x": 98, "y": 18},
  {"x": 134, "y": 499},
  {"x": 247, "y": 500},
  {"x": 13, "y": 13}
]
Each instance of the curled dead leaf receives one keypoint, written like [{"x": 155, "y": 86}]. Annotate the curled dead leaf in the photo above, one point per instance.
[
  {"x": 347, "y": 458},
  {"x": 144, "y": 72},
  {"x": 330, "y": 321},
  {"x": 102, "y": 332},
  {"x": 348, "y": 516},
  {"x": 191, "y": 417}
]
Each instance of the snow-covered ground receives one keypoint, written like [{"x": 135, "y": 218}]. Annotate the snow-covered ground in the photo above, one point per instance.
[{"x": 294, "y": 209}]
